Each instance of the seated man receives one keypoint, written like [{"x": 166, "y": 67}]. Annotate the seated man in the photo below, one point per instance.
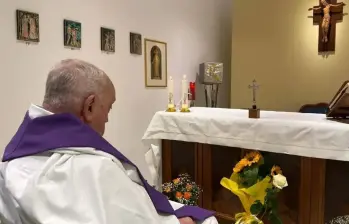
[{"x": 61, "y": 170}]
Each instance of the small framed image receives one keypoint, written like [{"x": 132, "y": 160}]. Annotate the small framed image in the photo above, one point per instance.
[
  {"x": 155, "y": 58},
  {"x": 136, "y": 43},
  {"x": 107, "y": 40},
  {"x": 72, "y": 34},
  {"x": 28, "y": 29}
]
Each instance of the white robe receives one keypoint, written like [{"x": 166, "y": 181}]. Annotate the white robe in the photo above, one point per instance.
[{"x": 80, "y": 185}]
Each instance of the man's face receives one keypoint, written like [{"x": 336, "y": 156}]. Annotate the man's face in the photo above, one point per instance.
[{"x": 96, "y": 109}]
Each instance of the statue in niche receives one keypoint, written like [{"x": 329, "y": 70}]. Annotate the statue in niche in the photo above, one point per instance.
[{"x": 156, "y": 65}]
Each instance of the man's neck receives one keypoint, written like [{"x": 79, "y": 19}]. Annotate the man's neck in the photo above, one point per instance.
[{"x": 57, "y": 110}]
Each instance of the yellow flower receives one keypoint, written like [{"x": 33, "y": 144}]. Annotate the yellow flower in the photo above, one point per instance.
[
  {"x": 240, "y": 165},
  {"x": 167, "y": 189},
  {"x": 275, "y": 170},
  {"x": 188, "y": 187},
  {"x": 253, "y": 157},
  {"x": 176, "y": 181}
]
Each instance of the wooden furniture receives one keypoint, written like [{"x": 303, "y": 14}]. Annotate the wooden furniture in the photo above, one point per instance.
[
  {"x": 208, "y": 142},
  {"x": 339, "y": 105},
  {"x": 317, "y": 190}
]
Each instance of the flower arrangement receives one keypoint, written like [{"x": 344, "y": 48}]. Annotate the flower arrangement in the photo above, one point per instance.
[
  {"x": 182, "y": 190},
  {"x": 257, "y": 190}
]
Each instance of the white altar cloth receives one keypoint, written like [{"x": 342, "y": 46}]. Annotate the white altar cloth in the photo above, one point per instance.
[{"x": 309, "y": 135}]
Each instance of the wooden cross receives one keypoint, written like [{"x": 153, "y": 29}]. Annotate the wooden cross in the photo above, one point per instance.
[
  {"x": 254, "y": 87},
  {"x": 335, "y": 15}
]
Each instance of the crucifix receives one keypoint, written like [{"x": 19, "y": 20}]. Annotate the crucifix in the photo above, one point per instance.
[
  {"x": 254, "y": 88},
  {"x": 326, "y": 15},
  {"x": 254, "y": 112}
]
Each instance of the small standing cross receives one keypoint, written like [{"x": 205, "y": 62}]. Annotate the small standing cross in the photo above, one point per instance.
[{"x": 254, "y": 88}]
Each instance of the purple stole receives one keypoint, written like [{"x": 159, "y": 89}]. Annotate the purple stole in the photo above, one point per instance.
[{"x": 50, "y": 132}]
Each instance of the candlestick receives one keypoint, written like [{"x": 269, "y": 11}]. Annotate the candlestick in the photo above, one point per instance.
[
  {"x": 170, "y": 104},
  {"x": 184, "y": 96}
]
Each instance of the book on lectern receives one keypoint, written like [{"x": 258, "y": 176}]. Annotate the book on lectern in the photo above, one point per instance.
[{"x": 339, "y": 106}]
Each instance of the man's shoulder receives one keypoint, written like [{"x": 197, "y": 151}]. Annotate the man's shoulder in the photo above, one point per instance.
[
  {"x": 86, "y": 157},
  {"x": 67, "y": 159}
]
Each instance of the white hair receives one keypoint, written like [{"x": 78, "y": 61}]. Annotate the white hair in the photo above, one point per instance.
[{"x": 70, "y": 82}]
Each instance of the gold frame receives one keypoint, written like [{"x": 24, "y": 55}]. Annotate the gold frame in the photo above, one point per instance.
[{"x": 145, "y": 61}]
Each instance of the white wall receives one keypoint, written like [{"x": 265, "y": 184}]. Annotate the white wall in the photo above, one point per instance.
[{"x": 195, "y": 30}]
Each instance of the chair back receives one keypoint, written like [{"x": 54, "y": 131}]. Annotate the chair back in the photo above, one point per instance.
[{"x": 320, "y": 108}]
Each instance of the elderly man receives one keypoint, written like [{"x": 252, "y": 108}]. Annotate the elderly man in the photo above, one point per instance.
[{"x": 61, "y": 170}]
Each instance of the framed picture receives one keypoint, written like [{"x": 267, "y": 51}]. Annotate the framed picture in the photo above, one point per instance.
[
  {"x": 107, "y": 40},
  {"x": 72, "y": 34},
  {"x": 135, "y": 43},
  {"x": 155, "y": 58},
  {"x": 28, "y": 26}
]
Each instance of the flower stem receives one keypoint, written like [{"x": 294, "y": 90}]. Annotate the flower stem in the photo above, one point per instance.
[{"x": 265, "y": 211}]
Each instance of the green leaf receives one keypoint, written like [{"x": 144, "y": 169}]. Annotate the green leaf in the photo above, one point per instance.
[
  {"x": 274, "y": 218},
  {"x": 256, "y": 207},
  {"x": 249, "y": 176}
]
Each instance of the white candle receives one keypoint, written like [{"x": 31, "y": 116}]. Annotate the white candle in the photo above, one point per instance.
[
  {"x": 170, "y": 93},
  {"x": 170, "y": 86},
  {"x": 184, "y": 92}
]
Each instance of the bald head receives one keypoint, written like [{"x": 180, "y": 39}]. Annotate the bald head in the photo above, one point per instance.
[{"x": 71, "y": 82}]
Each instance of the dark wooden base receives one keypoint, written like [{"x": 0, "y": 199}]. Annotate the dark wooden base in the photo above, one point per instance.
[
  {"x": 317, "y": 191},
  {"x": 254, "y": 113}
]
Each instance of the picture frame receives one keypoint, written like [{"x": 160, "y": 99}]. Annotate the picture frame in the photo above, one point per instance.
[
  {"x": 135, "y": 43},
  {"x": 72, "y": 34},
  {"x": 155, "y": 61},
  {"x": 28, "y": 26},
  {"x": 107, "y": 40}
]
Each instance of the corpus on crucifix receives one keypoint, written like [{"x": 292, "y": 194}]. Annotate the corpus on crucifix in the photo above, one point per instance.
[
  {"x": 326, "y": 15},
  {"x": 254, "y": 112}
]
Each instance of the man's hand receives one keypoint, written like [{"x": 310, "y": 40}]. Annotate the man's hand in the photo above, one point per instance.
[{"x": 186, "y": 220}]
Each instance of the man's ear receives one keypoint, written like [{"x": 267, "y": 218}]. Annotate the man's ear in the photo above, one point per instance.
[{"x": 88, "y": 108}]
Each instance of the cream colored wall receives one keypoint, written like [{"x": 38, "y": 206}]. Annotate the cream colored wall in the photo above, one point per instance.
[
  {"x": 195, "y": 31},
  {"x": 274, "y": 42}
]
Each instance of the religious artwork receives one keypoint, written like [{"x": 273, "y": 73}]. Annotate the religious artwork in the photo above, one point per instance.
[
  {"x": 155, "y": 57},
  {"x": 183, "y": 190},
  {"x": 326, "y": 15},
  {"x": 72, "y": 34},
  {"x": 27, "y": 26},
  {"x": 211, "y": 75},
  {"x": 135, "y": 43},
  {"x": 107, "y": 40},
  {"x": 256, "y": 190}
]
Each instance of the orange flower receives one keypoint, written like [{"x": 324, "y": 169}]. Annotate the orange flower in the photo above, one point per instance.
[
  {"x": 179, "y": 195},
  {"x": 189, "y": 187},
  {"x": 275, "y": 170},
  {"x": 240, "y": 165},
  {"x": 253, "y": 157},
  {"x": 187, "y": 195},
  {"x": 176, "y": 181}
]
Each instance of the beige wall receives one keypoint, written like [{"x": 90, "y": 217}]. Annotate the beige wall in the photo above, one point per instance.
[{"x": 275, "y": 42}]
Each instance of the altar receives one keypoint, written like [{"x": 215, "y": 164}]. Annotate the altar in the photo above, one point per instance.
[{"x": 208, "y": 142}]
